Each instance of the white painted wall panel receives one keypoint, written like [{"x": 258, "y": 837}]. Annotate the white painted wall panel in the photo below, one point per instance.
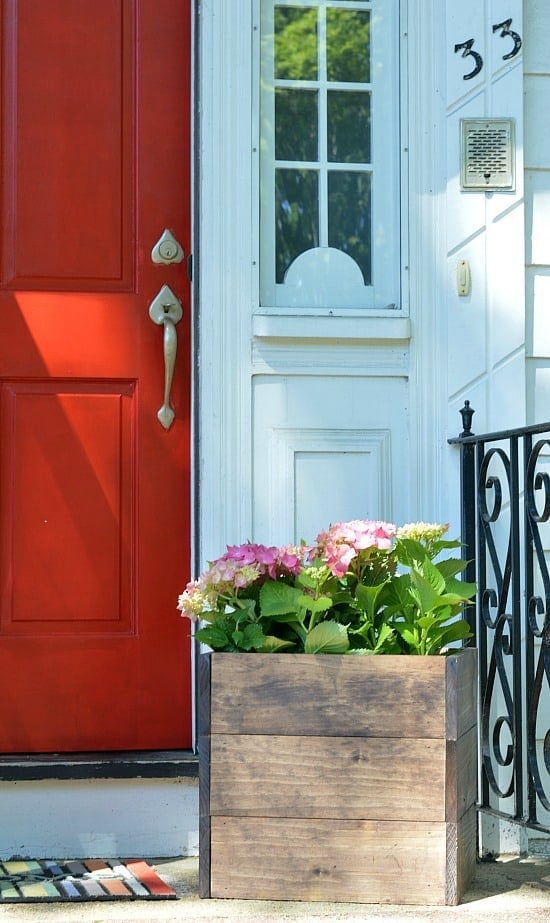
[
  {"x": 465, "y": 212},
  {"x": 506, "y": 287},
  {"x": 540, "y": 390},
  {"x": 536, "y": 32},
  {"x": 486, "y": 329},
  {"x": 359, "y": 462},
  {"x": 537, "y": 194},
  {"x": 327, "y": 450},
  {"x": 465, "y": 20},
  {"x": 466, "y": 317},
  {"x": 540, "y": 345},
  {"x": 537, "y": 219},
  {"x": 507, "y": 394},
  {"x": 537, "y": 135},
  {"x": 99, "y": 818}
]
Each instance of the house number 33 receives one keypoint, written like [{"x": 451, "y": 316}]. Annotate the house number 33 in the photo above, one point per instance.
[{"x": 505, "y": 32}]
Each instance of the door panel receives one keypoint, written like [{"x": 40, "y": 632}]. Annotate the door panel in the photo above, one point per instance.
[
  {"x": 72, "y": 472},
  {"x": 94, "y": 493},
  {"x": 68, "y": 131}
]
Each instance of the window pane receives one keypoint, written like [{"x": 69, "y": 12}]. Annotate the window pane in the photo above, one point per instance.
[
  {"x": 350, "y": 217},
  {"x": 295, "y": 43},
  {"x": 348, "y": 46},
  {"x": 348, "y": 126},
  {"x": 296, "y": 216},
  {"x": 296, "y": 121}
]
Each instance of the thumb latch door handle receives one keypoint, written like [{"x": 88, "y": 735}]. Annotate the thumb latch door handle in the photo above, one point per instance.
[{"x": 165, "y": 310}]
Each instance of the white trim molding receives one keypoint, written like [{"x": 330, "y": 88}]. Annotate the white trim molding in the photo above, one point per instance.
[{"x": 225, "y": 272}]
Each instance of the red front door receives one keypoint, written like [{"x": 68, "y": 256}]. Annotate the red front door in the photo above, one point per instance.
[{"x": 94, "y": 491}]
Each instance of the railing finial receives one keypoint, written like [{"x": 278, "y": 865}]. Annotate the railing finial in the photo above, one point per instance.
[{"x": 467, "y": 413}]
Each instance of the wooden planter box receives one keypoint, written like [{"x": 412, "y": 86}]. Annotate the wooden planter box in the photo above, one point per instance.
[{"x": 337, "y": 777}]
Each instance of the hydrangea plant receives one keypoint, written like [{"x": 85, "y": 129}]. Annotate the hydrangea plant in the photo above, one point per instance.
[{"x": 364, "y": 587}]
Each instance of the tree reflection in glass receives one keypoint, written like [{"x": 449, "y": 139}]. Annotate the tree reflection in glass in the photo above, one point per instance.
[
  {"x": 349, "y": 217},
  {"x": 296, "y": 216},
  {"x": 322, "y": 112}
]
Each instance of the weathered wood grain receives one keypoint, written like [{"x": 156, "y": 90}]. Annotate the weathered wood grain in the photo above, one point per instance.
[
  {"x": 339, "y": 777},
  {"x": 204, "y": 857},
  {"x": 461, "y": 775},
  {"x": 300, "y": 694},
  {"x": 204, "y": 740},
  {"x": 342, "y": 778},
  {"x": 461, "y": 693},
  {"x": 461, "y": 856},
  {"x": 368, "y": 861},
  {"x": 204, "y": 669}
]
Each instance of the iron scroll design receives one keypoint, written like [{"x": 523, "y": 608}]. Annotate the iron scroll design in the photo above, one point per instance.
[
  {"x": 538, "y": 623},
  {"x": 505, "y": 487},
  {"x": 494, "y": 595}
]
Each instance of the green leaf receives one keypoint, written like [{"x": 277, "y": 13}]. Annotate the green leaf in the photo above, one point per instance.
[
  {"x": 272, "y": 644},
  {"x": 385, "y": 636},
  {"x": 278, "y": 599},
  {"x": 315, "y": 605},
  {"x": 215, "y": 637},
  {"x": 426, "y": 621},
  {"x": 245, "y": 607},
  {"x": 409, "y": 551},
  {"x": 458, "y": 631},
  {"x": 252, "y": 638},
  {"x": 433, "y": 576},
  {"x": 408, "y": 635},
  {"x": 460, "y": 588},
  {"x": 307, "y": 580},
  {"x": 451, "y": 566},
  {"x": 368, "y": 597},
  {"x": 428, "y": 597},
  {"x": 327, "y": 638}
]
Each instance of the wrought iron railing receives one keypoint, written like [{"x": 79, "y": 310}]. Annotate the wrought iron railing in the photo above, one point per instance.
[{"x": 505, "y": 490}]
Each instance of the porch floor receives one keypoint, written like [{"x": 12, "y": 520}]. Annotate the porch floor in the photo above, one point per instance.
[{"x": 509, "y": 889}]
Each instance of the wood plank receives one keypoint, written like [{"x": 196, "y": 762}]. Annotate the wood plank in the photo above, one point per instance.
[
  {"x": 346, "y": 777},
  {"x": 203, "y": 727},
  {"x": 303, "y": 694},
  {"x": 461, "y": 787},
  {"x": 461, "y": 856},
  {"x": 204, "y": 857},
  {"x": 328, "y": 860},
  {"x": 467, "y": 851},
  {"x": 462, "y": 693},
  {"x": 203, "y": 696}
]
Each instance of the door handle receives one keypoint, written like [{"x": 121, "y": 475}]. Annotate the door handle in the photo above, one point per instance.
[{"x": 166, "y": 310}]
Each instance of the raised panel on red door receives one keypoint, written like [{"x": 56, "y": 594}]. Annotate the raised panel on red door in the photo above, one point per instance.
[{"x": 94, "y": 492}]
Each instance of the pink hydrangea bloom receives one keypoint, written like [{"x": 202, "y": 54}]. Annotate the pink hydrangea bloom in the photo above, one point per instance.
[
  {"x": 343, "y": 542},
  {"x": 240, "y": 567}
]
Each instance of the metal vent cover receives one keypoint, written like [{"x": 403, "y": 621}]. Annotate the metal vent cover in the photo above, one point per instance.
[{"x": 487, "y": 155}]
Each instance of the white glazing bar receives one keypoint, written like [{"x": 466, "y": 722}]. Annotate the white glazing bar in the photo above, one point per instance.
[{"x": 322, "y": 155}]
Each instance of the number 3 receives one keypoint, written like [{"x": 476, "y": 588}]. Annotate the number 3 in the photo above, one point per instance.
[
  {"x": 467, "y": 46},
  {"x": 505, "y": 26}
]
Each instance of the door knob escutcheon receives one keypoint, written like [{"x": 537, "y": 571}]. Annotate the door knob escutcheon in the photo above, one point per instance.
[{"x": 167, "y": 249}]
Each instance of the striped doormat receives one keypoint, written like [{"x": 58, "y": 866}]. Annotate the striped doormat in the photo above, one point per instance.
[{"x": 25, "y": 881}]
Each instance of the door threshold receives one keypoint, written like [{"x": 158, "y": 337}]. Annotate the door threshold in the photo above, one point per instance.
[{"x": 135, "y": 764}]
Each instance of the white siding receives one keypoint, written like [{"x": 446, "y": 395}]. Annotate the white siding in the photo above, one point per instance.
[
  {"x": 537, "y": 253},
  {"x": 537, "y": 206}
]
